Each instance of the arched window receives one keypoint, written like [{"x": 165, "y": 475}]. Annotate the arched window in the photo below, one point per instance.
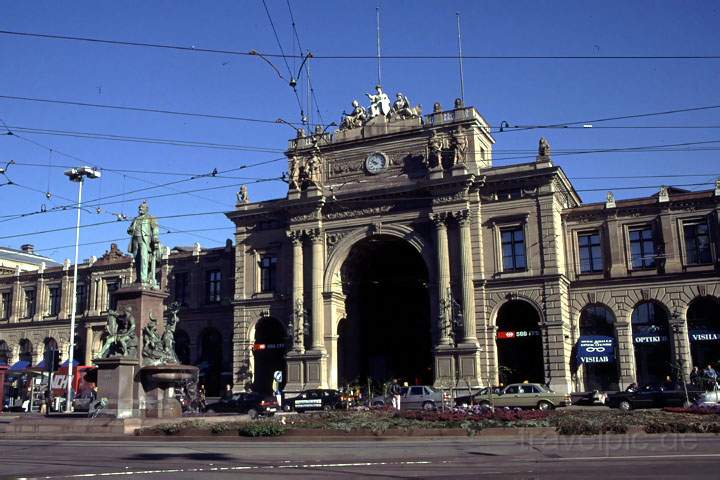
[
  {"x": 26, "y": 350},
  {"x": 4, "y": 353},
  {"x": 597, "y": 331},
  {"x": 703, "y": 318},
  {"x": 182, "y": 346},
  {"x": 50, "y": 344},
  {"x": 651, "y": 340}
]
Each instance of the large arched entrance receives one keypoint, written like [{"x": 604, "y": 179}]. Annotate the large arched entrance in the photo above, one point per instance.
[
  {"x": 211, "y": 361},
  {"x": 519, "y": 343},
  {"x": 600, "y": 369},
  {"x": 703, "y": 317},
  {"x": 387, "y": 332},
  {"x": 651, "y": 340},
  {"x": 182, "y": 346},
  {"x": 269, "y": 352}
]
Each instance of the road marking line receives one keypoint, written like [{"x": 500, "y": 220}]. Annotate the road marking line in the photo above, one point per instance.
[
  {"x": 229, "y": 468},
  {"x": 638, "y": 457}
]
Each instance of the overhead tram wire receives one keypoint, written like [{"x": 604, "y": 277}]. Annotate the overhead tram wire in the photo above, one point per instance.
[
  {"x": 193, "y": 49},
  {"x": 150, "y": 140},
  {"x": 509, "y": 128}
]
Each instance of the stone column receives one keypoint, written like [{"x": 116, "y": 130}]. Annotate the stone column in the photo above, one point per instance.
[
  {"x": 317, "y": 237},
  {"x": 443, "y": 276},
  {"x": 466, "y": 278},
  {"x": 296, "y": 237},
  {"x": 89, "y": 344}
]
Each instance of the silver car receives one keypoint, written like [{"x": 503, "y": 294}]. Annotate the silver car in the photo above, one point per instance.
[{"x": 415, "y": 398}]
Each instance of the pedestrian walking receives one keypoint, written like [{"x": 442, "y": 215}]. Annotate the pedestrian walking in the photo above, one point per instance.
[
  {"x": 396, "y": 392},
  {"x": 710, "y": 377},
  {"x": 695, "y": 376}
]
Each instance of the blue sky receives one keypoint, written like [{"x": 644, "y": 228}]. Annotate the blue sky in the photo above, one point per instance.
[{"x": 521, "y": 92}]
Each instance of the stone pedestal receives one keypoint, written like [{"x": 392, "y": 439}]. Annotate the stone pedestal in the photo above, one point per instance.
[
  {"x": 144, "y": 301},
  {"x": 436, "y": 174},
  {"x": 116, "y": 382},
  {"x": 444, "y": 366},
  {"x": 306, "y": 370},
  {"x": 458, "y": 170},
  {"x": 468, "y": 364}
]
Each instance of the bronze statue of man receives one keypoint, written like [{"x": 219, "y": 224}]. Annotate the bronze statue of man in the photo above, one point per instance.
[{"x": 144, "y": 245}]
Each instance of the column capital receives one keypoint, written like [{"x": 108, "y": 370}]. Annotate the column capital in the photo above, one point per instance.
[
  {"x": 295, "y": 236},
  {"x": 439, "y": 219},
  {"x": 316, "y": 235},
  {"x": 462, "y": 217}
]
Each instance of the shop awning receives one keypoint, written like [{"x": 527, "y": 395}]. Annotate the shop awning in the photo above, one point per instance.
[
  {"x": 21, "y": 365},
  {"x": 65, "y": 363}
]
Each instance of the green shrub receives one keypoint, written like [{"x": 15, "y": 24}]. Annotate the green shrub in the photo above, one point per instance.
[{"x": 262, "y": 428}]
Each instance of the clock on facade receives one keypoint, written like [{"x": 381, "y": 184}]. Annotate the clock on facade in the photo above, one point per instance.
[{"x": 376, "y": 163}]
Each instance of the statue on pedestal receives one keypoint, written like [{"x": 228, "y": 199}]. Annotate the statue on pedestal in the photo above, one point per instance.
[
  {"x": 379, "y": 102},
  {"x": 435, "y": 147},
  {"x": 461, "y": 147},
  {"x": 401, "y": 109},
  {"x": 355, "y": 119},
  {"x": 544, "y": 147},
  {"x": 144, "y": 246}
]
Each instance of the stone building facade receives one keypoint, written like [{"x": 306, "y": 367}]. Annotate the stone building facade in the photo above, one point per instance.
[
  {"x": 35, "y": 307},
  {"x": 502, "y": 269}
]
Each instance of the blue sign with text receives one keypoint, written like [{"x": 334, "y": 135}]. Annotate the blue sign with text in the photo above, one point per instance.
[{"x": 596, "y": 349}]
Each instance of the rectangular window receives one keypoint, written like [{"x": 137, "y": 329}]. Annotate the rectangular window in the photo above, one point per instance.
[
  {"x": 513, "y": 249},
  {"x": 54, "y": 304},
  {"x": 182, "y": 281},
  {"x": 590, "y": 252},
  {"x": 213, "y": 283},
  {"x": 5, "y": 305},
  {"x": 80, "y": 298},
  {"x": 642, "y": 248},
  {"x": 112, "y": 285},
  {"x": 697, "y": 242},
  {"x": 268, "y": 268},
  {"x": 29, "y": 303}
]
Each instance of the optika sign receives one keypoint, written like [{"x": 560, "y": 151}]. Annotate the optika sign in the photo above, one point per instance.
[{"x": 651, "y": 338}]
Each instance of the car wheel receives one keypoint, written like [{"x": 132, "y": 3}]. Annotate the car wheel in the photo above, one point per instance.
[
  {"x": 287, "y": 408},
  {"x": 428, "y": 406},
  {"x": 484, "y": 404},
  {"x": 210, "y": 410},
  {"x": 252, "y": 413},
  {"x": 624, "y": 405},
  {"x": 378, "y": 404},
  {"x": 544, "y": 405},
  {"x": 327, "y": 408}
]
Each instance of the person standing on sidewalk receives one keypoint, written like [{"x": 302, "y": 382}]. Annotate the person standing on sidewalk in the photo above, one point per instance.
[{"x": 396, "y": 392}]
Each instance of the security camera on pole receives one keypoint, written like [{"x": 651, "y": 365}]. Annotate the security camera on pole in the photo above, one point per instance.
[{"x": 76, "y": 175}]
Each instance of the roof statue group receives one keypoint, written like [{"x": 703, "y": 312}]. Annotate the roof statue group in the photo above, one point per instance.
[
  {"x": 379, "y": 105},
  {"x": 121, "y": 336}
]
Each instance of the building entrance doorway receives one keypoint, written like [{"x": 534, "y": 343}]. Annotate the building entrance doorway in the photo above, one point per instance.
[
  {"x": 703, "y": 318},
  {"x": 387, "y": 333},
  {"x": 519, "y": 344},
  {"x": 269, "y": 352}
]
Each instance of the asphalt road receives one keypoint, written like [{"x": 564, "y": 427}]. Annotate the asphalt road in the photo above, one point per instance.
[{"x": 626, "y": 456}]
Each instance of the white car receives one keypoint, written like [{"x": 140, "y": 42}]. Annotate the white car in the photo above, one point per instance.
[{"x": 709, "y": 399}]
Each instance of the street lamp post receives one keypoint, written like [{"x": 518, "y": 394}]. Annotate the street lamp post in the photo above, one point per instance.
[
  {"x": 677, "y": 330},
  {"x": 76, "y": 175}
]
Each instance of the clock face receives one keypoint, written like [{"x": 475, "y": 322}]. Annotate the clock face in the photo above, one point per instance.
[{"x": 376, "y": 163}]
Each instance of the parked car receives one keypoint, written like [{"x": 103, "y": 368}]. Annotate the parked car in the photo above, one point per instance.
[
  {"x": 253, "y": 403},
  {"x": 651, "y": 396},
  {"x": 477, "y": 398},
  {"x": 708, "y": 399},
  {"x": 415, "y": 398},
  {"x": 595, "y": 397},
  {"x": 315, "y": 399},
  {"x": 523, "y": 395}
]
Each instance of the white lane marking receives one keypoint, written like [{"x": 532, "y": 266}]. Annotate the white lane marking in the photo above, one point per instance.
[
  {"x": 640, "y": 457},
  {"x": 229, "y": 468}
]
